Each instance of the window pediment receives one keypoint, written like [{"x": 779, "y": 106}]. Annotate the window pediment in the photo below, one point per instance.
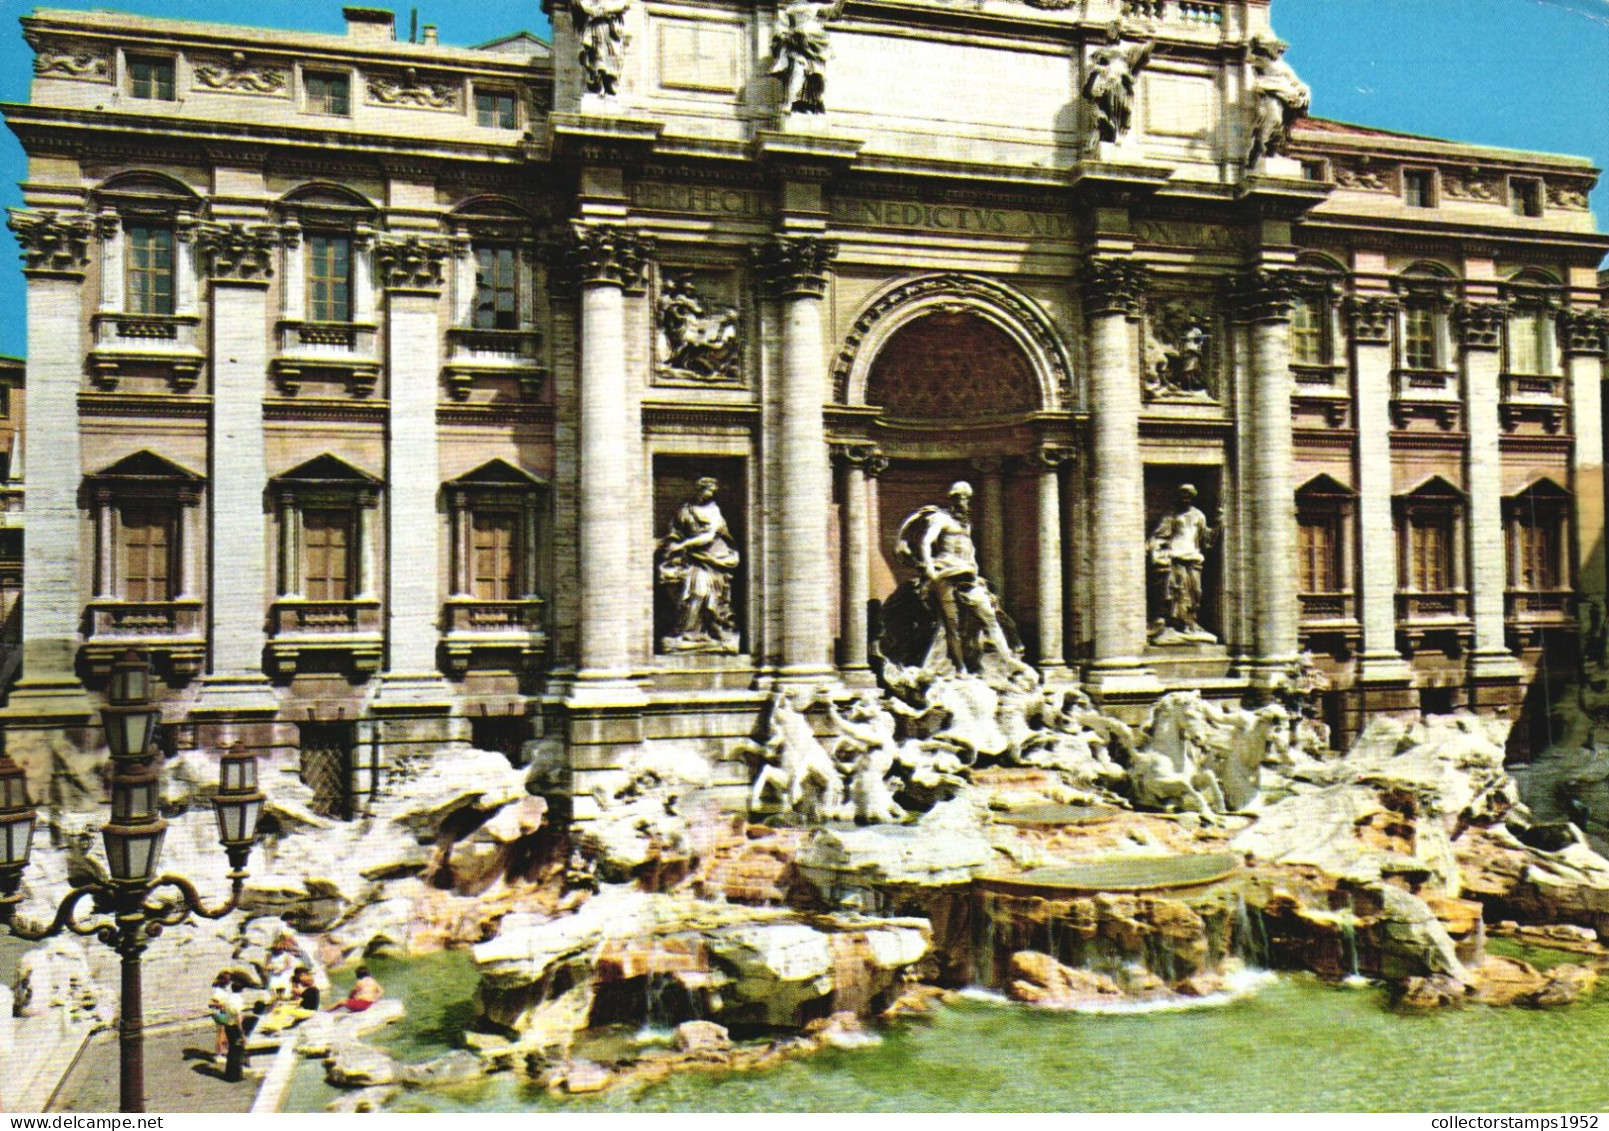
[
  {"x": 1434, "y": 489},
  {"x": 1326, "y": 488},
  {"x": 145, "y": 466},
  {"x": 498, "y": 474},
  {"x": 327, "y": 474}
]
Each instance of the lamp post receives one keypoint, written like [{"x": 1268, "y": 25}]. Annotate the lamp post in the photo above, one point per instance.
[{"x": 123, "y": 915}]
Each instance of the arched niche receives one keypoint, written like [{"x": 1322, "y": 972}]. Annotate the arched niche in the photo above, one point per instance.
[
  {"x": 993, "y": 312},
  {"x": 952, "y": 365}
]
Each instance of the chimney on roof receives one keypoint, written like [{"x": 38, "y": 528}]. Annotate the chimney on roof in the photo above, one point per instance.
[
  {"x": 430, "y": 35},
  {"x": 370, "y": 25}
]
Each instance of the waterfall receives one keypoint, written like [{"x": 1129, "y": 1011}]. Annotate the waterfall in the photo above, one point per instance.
[{"x": 1250, "y": 943}]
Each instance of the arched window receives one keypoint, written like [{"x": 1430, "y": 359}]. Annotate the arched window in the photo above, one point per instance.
[{"x": 1423, "y": 342}]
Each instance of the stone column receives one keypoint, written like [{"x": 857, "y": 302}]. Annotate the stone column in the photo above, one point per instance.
[
  {"x": 409, "y": 268},
  {"x": 55, "y": 250},
  {"x": 1265, "y": 304},
  {"x": 1582, "y": 335},
  {"x": 1047, "y": 462},
  {"x": 796, "y": 268},
  {"x": 290, "y": 547},
  {"x": 461, "y": 547},
  {"x": 238, "y": 261},
  {"x": 1372, "y": 318},
  {"x": 368, "y": 504},
  {"x": 608, "y": 259},
  {"x": 860, "y": 463},
  {"x": 191, "y": 544},
  {"x": 109, "y": 226},
  {"x": 990, "y": 525},
  {"x": 1479, "y": 327},
  {"x": 105, "y": 545},
  {"x": 1111, "y": 297}
]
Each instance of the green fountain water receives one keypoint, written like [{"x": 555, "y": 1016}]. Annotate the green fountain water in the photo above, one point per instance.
[{"x": 1295, "y": 1045}]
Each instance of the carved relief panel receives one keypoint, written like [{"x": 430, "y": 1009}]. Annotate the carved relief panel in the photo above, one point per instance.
[
  {"x": 1181, "y": 350},
  {"x": 698, "y": 326}
]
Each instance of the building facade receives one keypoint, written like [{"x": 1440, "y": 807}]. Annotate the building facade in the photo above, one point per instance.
[{"x": 391, "y": 392}]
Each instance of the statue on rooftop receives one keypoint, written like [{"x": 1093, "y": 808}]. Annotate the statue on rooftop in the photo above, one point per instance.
[
  {"x": 1178, "y": 549},
  {"x": 1109, "y": 88},
  {"x": 1281, "y": 99},
  {"x": 600, "y": 28},
  {"x": 697, "y": 561},
  {"x": 799, "y": 53}
]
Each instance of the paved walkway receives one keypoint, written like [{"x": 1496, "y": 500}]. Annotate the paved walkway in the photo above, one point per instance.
[{"x": 174, "y": 1081}]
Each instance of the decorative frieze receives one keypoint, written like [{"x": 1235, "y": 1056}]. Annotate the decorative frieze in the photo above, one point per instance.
[
  {"x": 1470, "y": 184},
  {"x": 608, "y": 254},
  {"x": 53, "y": 242},
  {"x": 237, "y": 252},
  {"x": 237, "y": 75},
  {"x": 1372, "y": 318},
  {"x": 1112, "y": 286},
  {"x": 409, "y": 89},
  {"x": 1361, "y": 177},
  {"x": 59, "y": 58},
  {"x": 1571, "y": 197},
  {"x": 796, "y": 265},
  {"x": 1583, "y": 331},
  {"x": 1480, "y": 324},
  {"x": 1265, "y": 295},
  {"x": 411, "y": 262}
]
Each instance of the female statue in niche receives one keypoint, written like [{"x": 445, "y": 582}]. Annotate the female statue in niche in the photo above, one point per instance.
[{"x": 697, "y": 562}]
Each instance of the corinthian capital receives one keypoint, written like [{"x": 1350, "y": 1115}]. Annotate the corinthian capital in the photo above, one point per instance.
[
  {"x": 237, "y": 253},
  {"x": 411, "y": 262},
  {"x": 1265, "y": 294},
  {"x": 796, "y": 265},
  {"x": 868, "y": 458},
  {"x": 1113, "y": 286},
  {"x": 1583, "y": 331},
  {"x": 1480, "y": 324},
  {"x": 608, "y": 254},
  {"x": 1372, "y": 317},
  {"x": 1047, "y": 459},
  {"x": 53, "y": 242}
]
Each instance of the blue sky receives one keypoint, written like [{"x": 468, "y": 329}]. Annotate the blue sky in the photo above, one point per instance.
[{"x": 1530, "y": 74}]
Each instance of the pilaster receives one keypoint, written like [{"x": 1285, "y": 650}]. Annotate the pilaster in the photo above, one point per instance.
[
  {"x": 409, "y": 268},
  {"x": 795, "y": 269},
  {"x": 1582, "y": 334},
  {"x": 1372, "y": 318},
  {"x": 237, "y": 258},
  {"x": 55, "y": 250},
  {"x": 1478, "y": 328}
]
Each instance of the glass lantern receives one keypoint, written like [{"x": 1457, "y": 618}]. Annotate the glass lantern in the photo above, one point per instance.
[{"x": 238, "y": 802}]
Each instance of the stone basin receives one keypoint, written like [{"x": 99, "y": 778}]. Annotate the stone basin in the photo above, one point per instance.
[
  {"x": 1121, "y": 873},
  {"x": 1052, "y": 814}
]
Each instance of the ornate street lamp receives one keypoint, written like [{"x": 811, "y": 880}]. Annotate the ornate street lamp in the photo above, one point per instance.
[{"x": 133, "y": 839}]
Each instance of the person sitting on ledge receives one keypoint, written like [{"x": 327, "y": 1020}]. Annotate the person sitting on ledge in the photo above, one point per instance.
[
  {"x": 365, "y": 992},
  {"x": 302, "y": 1004}
]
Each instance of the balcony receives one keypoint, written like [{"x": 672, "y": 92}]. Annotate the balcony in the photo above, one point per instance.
[
  {"x": 471, "y": 627},
  {"x": 344, "y": 631},
  {"x": 1329, "y": 615},
  {"x": 1444, "y": 613},
  {"x": 475, "y": 353},
  {"x": 1428, "y": 393},
  {"x": 1531, "y": 612},
  {"x": 140, "y": 342},
  {"x": 349, "y": 349},
  {"x": 170, "y": 630},
  {"x": 1537, "y": 397}
]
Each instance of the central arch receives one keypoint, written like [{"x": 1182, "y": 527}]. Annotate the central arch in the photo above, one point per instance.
[{"x": 999, "y": 315}]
